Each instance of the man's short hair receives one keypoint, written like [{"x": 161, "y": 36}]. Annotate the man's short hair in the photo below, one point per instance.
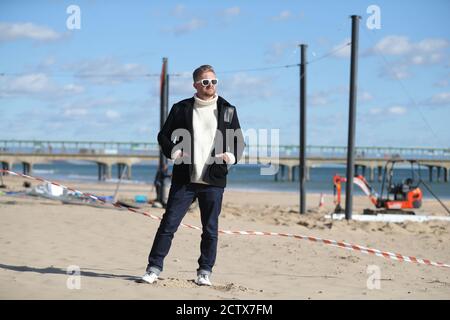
[{"x": 204, "y": 68}]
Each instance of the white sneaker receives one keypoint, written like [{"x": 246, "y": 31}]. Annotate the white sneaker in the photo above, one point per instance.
[
  {"x": 150, "y": 277},
  {"x": 203, "y": 280}
]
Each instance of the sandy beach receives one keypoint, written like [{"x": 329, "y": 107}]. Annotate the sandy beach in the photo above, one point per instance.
[{"x": 41, "y": 238}]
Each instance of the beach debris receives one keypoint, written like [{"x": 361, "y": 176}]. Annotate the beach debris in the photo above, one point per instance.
[
  {"x": 140, "y": 198},
  {"x": 46, "y": 190},
  {"x": 126, "y": 204},
  {"x": 52, "y": 191}
]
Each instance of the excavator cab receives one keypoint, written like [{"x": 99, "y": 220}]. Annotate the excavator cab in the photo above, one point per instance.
[{"x": 404, "y": 194}]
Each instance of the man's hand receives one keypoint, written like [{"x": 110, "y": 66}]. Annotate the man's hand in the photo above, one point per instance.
[
  {"x": 179, "y": 154},
  {"x": 226, "y": 157}
]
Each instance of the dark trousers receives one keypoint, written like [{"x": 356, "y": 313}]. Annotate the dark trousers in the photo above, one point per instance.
[{"x": 180, "y": 198}]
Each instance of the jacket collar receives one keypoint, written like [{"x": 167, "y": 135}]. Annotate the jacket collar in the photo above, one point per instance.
[{"x": 189, "y": 108}]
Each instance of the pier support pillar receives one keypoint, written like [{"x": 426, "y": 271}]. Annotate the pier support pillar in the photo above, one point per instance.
[
  {"x": 283, "y": 169},
  {"x": 371, "y": 174},
  {"x": 380, "y": 173},
  {"x": 104, "y": 171},
  {"x": 27, "y": 168},
  {"x": 121, "y": 167},
  {"x": 6, "y": 166},
  {"x": 290, "y": 173},
  {"x": 128, "y": 175}
]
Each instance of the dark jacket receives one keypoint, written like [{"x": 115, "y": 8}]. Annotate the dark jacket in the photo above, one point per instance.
[{"x": 180, "y": 117}]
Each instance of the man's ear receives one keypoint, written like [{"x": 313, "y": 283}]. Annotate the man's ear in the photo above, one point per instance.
[{"x": 193, "y": 84}]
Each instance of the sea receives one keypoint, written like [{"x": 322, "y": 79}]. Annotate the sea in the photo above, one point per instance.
[{"x": 243, "y": 177}]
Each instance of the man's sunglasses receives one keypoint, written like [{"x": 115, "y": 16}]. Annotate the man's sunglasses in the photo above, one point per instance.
[{"x": 207, "y": 82}]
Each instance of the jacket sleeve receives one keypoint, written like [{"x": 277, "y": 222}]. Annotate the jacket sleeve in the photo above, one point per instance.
[
  {"x": 166, "y": 132},
  {"x": 238, "y": 144}
]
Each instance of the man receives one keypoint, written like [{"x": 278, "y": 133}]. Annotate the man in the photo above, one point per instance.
[{"x": 203, "y": 136}]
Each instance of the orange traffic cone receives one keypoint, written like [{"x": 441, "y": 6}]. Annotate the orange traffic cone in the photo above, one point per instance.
[{"x": 322, "y": 201}]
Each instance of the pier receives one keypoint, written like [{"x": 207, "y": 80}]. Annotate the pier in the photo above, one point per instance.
[{"x": 369, "y": 161}]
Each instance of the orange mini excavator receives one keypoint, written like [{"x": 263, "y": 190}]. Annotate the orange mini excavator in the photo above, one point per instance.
[{"x": 399, "y": 196}]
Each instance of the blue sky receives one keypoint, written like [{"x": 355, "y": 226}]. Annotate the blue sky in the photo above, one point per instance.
[{"x": 90, "y": 83}]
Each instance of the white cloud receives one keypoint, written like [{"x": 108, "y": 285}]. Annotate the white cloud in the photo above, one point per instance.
[
  {"x": 74, "y": 112},
  {"x": 35, "y": 84},
  {"x": 286, "y": 15},
  {"x": 329, "y": 96},
  {"x": 397, "y": 110},
  {"x": 342, "y": 50},
  {"x": 27, "y": 30},
  {"x": 179, "y": 10},
  {"x": 188, "y": 27},
  {"x": 144, "y": 130},
  {"x": 111, "y": 114},
  {"x": 364, "y": 96},
  {"x": 428, "y": 51},
  {"x": 90, "y": 102},
  {"x": 47, "y": 62},
  {"x": 375, "y": 111},
  {"x": 231, "y": 12},
  {"x": 320, "y": 98},
  {"x": 30, "y": 83},
  {"x": 432, "y": 45},
  {"x": 393, "y": 45},
  {"x": 226, "y": 16},
  {"x": 107, "y": 71},
  {"x": 378, "y": 112},
  {"x": 278, "y": 50},
  {"x": 395, "y": 71},
  {"x": 243, "y": 85},
  {"x": 282, "y": 16},
  {"x": 439, "y": 99},
  {"x": 441, "y": 83},
  {"x": 73, "y": 88}
]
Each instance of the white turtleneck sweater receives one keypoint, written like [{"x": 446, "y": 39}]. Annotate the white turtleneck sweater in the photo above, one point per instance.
[{"x": 204, "y": 124}]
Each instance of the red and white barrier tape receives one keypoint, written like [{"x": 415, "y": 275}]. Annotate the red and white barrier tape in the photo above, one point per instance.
[{"x": 339, "y": 244}]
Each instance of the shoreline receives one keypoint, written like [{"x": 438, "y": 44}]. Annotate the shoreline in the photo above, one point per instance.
[{"x": 71, "y": 183}]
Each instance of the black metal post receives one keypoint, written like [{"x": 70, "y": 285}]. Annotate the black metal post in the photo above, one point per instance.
[
  {"x": 302, "y": 167},
  {"x": 352, "y": 118},
  {"x": 164, "y": 99}
]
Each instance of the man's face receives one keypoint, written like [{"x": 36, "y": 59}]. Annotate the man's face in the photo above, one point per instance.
[{"x": 208, "y": 91}]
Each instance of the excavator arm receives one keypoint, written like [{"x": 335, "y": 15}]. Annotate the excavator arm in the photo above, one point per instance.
[{"x": 361, "y": 182}]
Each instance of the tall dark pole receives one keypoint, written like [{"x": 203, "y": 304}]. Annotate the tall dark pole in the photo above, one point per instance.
[
  {"x": 164, "y": 99},
  {"x": 302, "y": 168},
  {"x": 163, "y": 106},
  {"x": 352, "y": 119}
]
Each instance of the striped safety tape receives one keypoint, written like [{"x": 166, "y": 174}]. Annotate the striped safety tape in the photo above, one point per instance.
[{"x": 339, "y": 244}]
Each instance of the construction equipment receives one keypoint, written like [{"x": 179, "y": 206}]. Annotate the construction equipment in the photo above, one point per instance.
[{"x": 394, "y": 197}]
